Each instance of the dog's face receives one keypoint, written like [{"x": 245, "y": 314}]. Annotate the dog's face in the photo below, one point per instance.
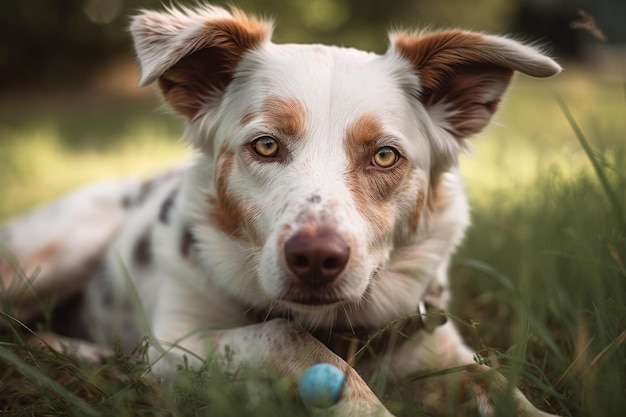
[
  {"x": 323, "y": 168},
  {"x": 324, "y": 162}
]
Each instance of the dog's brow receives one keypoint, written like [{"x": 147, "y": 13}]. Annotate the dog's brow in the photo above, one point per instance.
[
  {"x": 285, "y": 115},
  {"x": 248, "y": 117},
  {"x": 364, "y": 130}
]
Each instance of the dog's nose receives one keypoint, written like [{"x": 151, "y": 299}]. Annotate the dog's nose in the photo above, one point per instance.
[{"x": 317, "y": 259}]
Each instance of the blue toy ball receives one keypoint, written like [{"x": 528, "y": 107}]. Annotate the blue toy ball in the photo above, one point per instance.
[{"x": 321, "y": 385}]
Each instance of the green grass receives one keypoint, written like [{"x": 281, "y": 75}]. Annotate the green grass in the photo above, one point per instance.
[
  {"x": 543, "y": 264},
  {"x": 539, "y": 283}
]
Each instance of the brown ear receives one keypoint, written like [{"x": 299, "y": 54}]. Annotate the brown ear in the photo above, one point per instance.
[
  {"x": 463, "y": 75},
  {"x": 194, "y": 53}
]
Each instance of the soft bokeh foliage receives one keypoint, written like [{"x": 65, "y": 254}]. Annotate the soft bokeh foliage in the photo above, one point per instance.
[{"x": 63, "y": 41}]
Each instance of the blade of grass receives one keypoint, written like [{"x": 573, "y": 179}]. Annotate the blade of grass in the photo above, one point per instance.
[
  {"x": 537, "y": 325},
  {"x": 34, "y": 374},
  {"x": 488, "y": 270},
  {"x": 624, "y": 82},
  {"x": 614, "y": 344},
  {"x": 613, "y": 200}
]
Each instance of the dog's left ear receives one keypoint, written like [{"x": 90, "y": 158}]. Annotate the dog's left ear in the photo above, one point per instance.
[
  {"x": 463, "y": 75},
  {"x": 194, "y": 53}
]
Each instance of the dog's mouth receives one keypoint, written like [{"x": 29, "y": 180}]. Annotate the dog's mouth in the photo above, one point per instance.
[{"x": 309, "y": 296}]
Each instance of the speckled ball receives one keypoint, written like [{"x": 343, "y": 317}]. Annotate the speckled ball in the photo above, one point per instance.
[{"x": 321, "y": 385}]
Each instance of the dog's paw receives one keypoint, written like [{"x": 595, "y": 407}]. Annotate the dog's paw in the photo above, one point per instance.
[
  {"x": 79, "y": 349},
  {"x": 474, "y": 388}
]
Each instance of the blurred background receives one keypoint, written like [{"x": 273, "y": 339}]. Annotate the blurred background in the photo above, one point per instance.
[{"x": 65, "y": 41}]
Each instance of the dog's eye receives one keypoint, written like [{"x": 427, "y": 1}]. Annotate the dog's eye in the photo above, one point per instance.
[
  {"x": 385, "y": 157},
  {"x": 266, "y": 146}
]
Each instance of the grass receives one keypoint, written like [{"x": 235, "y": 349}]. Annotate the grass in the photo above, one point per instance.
[
  {"x": 545, "y": 257},
  {"x": 539, "y": 284}
]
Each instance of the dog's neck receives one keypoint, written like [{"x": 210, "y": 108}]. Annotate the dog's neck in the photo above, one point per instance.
[
  {"x": 360, "y": 343},
  {"x": 357, "y": 343}
]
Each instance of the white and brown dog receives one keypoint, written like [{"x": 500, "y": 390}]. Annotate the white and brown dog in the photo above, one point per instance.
[{"x": 320, "y": 215}]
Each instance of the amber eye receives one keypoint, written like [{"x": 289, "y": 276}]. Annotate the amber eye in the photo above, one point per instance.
[
  {"x": 266, "y": 146},
  {"x": 385, "y": 157}
]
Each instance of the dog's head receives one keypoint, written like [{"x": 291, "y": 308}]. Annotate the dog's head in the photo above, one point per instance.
[{"x": 322, "y": 166}]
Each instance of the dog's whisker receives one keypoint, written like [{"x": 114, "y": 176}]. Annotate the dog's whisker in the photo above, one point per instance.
[
  {"x": 349, "y": 320},
  {"x": 269, "y": 311}
]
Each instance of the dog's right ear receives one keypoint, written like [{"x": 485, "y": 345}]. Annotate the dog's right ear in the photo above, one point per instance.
[{"x": 194, "y": 53}]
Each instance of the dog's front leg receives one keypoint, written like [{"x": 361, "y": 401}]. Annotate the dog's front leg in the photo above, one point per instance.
[
  {"x": 286, "y": 350},
  {"x": 467, "y": 389},
  {"x": 470, "y": 392}
]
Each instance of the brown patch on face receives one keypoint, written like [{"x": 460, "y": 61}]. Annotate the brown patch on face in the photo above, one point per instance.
[
  {"x": 211, "y": 67},
  {"x": 286, "y": 115},
  {"x": 420, "y": 201},
  {"x": 438, "y": 195},
  {"x": 371, "y": 187},
  {"x": 225, "y": 211},
  {"x": 461, "y": 68}
]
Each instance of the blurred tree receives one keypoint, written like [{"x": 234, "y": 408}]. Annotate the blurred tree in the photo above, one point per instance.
[{"x": 55, "y": 42}]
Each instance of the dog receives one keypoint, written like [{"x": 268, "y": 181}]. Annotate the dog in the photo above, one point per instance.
[{"x": 316, "y": 223}]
